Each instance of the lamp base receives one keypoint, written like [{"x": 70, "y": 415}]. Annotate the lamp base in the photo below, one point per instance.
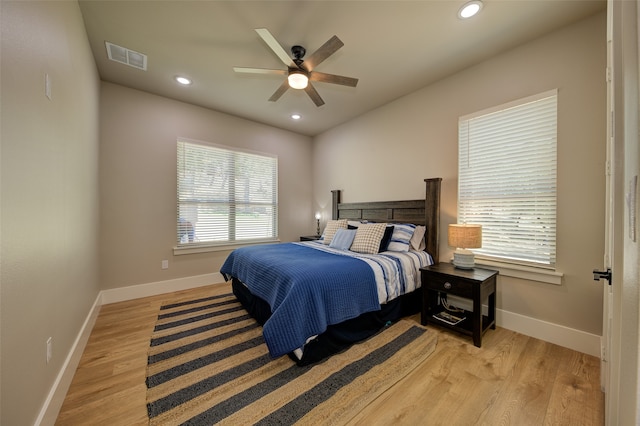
[{"x": 463, "y": 259}]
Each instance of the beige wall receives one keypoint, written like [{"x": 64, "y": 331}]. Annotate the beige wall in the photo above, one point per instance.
[
  {"x": 49, "y": 207},
  {"x": 415, "y": 137},
  {"x": 138, "y": 134}
]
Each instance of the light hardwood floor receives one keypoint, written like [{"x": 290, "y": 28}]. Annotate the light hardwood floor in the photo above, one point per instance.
[{"x": 512, "y": 380}]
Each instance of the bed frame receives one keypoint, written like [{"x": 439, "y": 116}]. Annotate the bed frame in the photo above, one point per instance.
[{"x": 420, "y": 212}]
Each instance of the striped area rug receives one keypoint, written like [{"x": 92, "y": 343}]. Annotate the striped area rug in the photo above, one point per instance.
[{"x": 208, "y": 364}]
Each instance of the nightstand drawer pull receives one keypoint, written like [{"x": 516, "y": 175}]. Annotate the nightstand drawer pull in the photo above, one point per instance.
[{"x": 447, "y": 285}]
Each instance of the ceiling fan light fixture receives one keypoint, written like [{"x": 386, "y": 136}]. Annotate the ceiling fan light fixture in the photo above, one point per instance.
[
  {"x": 298, "y": 80},
  {"x": 470, "y": 9}
]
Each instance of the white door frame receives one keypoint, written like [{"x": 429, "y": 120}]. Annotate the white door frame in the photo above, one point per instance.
[
  {"x": 605, "y": 376},
  {"x": 621, "y": 326}
]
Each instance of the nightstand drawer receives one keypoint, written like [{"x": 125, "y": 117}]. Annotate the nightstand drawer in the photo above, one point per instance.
[{"x": 449, "y": 284}]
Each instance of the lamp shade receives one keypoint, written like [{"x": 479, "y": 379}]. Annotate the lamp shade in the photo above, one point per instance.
[{"x": 465, "y": 236}]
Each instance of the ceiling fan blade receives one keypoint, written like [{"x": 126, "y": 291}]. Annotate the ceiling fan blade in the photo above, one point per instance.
[
  {"x": 280, "y": 91},
  {"x": 323, "y": 52},
  {"x": 313, "y": 94},
  {"x": 332, "y": 78},
  {"x": 259, "y": 71},
  {"x": 275, "y": 46}
]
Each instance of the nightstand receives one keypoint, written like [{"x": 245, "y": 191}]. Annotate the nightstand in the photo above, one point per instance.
[
  {"x": 476, "y": 284},
  {"x": 310, "y": 238}
]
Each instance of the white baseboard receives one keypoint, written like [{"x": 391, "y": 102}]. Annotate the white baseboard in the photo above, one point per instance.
[
  {"x": 560, "y": 335},
  {"x": 549, "y": 332},
  {"x": 55, "y": 398},
  {"x": 122, "y": 294},
  {"x": 53, "y": 403}
]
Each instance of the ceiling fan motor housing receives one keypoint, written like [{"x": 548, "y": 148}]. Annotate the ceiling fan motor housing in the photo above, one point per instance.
[{"x": 298, "y": 51}]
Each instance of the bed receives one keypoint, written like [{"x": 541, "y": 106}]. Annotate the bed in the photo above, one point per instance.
[{"x": 315, "y": 299}]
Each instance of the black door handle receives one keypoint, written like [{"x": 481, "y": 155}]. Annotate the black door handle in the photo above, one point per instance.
[{"x": 598, "y": 275}]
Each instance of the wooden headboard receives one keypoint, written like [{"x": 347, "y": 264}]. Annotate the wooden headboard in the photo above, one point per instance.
[{"x": 420, "y": 212}]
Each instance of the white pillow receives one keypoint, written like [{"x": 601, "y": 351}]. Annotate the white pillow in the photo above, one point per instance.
[{"x": 417, "y": 239}]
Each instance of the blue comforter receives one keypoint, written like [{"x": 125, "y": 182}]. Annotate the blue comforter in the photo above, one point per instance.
[{"x": 307, "y": 289}]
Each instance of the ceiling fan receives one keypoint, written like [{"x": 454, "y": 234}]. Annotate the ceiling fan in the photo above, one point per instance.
[{"x": 300, "y": 72}]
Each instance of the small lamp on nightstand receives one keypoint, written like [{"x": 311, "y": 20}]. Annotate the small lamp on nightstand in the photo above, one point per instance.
[
  {"x": 318, "y": 216},
  {"x": 464, "y": 237}
]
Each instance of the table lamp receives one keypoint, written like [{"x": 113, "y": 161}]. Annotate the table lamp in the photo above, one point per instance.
[
  {"x": 318, "y": 223},
  {"x": 464, "y": 237}
]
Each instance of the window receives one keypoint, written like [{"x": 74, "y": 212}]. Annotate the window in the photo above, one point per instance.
[
  {"x": 507, "y": 179},
  {"x": 225, "y": 196}
]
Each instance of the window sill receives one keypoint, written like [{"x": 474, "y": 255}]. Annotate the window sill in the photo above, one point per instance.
[
  {"x": 531, "y": 273},
  {"x": 207, "y": 248}
]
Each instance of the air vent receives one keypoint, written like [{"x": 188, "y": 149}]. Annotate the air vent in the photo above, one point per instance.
[{"x": 126, "y": 56}]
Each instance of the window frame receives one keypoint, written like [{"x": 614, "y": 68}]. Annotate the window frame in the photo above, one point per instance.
[
  {"x": 539, "y": 271},
  {"x": 190, "y": 247}
]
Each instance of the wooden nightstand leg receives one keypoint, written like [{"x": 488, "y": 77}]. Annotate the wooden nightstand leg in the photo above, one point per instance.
[
  {"x": 424, "y": 313},
  {"x": 425, "y": 304},
  {"x": 477, "y": 320},
  {"x": 429, "y": 303}
]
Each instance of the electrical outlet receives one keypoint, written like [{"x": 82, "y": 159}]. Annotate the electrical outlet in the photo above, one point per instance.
[
  {"x": 49, "y": 350},
  {"x": 165, "y": 264}
]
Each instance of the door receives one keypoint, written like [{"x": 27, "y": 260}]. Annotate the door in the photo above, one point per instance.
[
  {"x": 620, "y": 378},
  {"x": 606, "y": 274}
]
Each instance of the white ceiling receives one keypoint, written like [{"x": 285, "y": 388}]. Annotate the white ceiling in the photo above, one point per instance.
[{"x": 392, "y": 47}]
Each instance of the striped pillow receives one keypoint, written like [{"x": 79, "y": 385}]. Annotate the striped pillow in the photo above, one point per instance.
[
  {"x": 332, "y": 227},
  {"x": 401, "y": 238},
  {"x": 368, "y": 237}
]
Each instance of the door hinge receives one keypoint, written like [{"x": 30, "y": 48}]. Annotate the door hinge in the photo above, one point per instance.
[{"x": 598, "y": 275}]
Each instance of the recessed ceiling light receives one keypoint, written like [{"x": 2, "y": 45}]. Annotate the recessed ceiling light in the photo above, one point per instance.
[
  {"x": 183, "y": 80},
  {"x": 296, "y": 116},
  {"x": 470, "y": 9}
]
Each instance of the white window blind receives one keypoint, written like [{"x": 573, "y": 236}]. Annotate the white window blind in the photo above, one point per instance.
[
  {"x": 225, "y": 196},
  {"x": 507, "y": 179}
]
